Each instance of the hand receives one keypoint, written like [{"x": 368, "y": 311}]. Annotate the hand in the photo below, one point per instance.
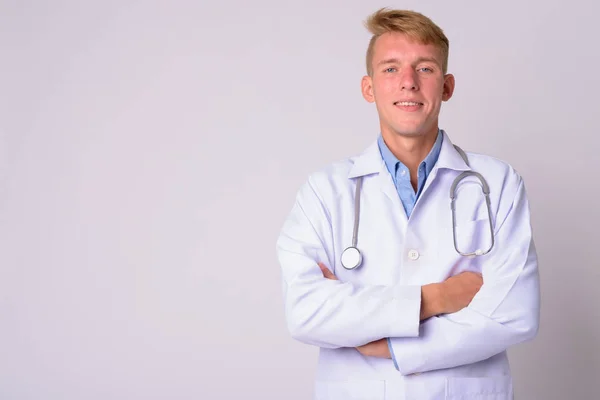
[
  {"x": 378, "y": 348},
  {"x": 326, "y": 272},
  {"x": 458, "y": 291}
]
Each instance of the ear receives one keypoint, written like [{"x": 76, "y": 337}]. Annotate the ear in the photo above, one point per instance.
[
  {"x": 366, "y": 86},
  {"x": 448, "y": 89}
]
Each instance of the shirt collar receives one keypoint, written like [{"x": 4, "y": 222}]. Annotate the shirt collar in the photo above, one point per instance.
[
  {"x": 391, "y": 162},
  {"x": 370, "y": 161}
]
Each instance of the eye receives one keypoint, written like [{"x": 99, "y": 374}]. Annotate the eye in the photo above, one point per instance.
[
  {"x": 390, "y": 69},
  {"x": 425, "y": 69}
]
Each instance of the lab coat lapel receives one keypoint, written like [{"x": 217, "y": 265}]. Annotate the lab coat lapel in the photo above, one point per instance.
[
  {"x": 370, "y": 162},
  {"x": 448, "y": 159}
]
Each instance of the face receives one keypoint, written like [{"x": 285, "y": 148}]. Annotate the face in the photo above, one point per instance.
[{"x": 407, "y": 85}]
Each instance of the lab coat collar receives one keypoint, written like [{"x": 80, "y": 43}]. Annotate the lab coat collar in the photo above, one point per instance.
[
  {"x": 449, "y": 157},
  {"x": 370, "y": 161}
]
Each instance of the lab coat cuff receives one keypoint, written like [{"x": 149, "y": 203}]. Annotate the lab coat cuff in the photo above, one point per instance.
[
  {"x": 407, "y": 312},
  {"x": 407, "y": 354}
]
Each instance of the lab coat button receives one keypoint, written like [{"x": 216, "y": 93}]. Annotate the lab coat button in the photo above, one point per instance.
[{"x": 413, "y": 255}]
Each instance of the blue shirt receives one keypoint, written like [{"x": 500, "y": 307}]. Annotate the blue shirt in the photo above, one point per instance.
[{"x": 401, "y": 174}]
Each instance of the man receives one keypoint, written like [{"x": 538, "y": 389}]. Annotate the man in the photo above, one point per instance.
[{"x": 442, "y": 292}]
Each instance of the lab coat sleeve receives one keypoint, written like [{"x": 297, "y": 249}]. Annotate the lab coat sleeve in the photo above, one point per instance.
[
  {"x": 504, "y": 312},
  {"x": 329, "y": 313}
]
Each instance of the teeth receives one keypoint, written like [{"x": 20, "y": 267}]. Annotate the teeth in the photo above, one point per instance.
[{"x": 408, "y": 103}]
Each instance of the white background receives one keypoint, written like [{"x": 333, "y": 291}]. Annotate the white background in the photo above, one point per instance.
[{"x": 150, "y": 151}]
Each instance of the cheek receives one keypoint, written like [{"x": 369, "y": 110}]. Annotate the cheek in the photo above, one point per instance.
[
  {"x": 434, "y": 95},
  {"x": 386, "y": 87},
  {"x": 435, "y": 89},
  {"x": 386, "y": 96}
]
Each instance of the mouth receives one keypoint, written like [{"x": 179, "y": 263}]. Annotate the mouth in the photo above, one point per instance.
[{"x": 408, "y": 105}]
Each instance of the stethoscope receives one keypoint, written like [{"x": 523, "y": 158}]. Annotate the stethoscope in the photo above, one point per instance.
[{"x": 352, "y": 257}]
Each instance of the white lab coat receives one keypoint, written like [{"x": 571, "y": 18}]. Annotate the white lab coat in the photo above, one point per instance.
[{"x": 453, "y": 356}]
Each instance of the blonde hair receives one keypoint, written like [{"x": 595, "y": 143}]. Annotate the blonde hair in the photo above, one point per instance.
[{"x": 411, "y": 23}]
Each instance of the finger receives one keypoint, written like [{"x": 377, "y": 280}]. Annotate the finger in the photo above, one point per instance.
[
  {"x": 323, "y": 268},
  {"x": 326, "y": 272},
  {"x": 478, "y": 276}
]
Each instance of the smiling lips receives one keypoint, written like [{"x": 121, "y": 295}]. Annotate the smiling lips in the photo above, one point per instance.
[{"x": 408, "y": 105}]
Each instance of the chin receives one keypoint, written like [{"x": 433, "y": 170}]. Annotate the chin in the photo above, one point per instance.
[
  {"x": 416, "y": 129},
  {"x": 410, "y": 131}
]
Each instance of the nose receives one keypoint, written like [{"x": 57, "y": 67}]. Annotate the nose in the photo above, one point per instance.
[{"x": 409, "y": 80}]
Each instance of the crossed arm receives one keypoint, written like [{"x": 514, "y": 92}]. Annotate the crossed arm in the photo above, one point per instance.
[
  {"x": 447, "y": 297},
  {"x": 455, "y": 322}
]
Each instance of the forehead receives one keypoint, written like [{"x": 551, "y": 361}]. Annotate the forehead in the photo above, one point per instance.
[{"x": 402, "y": 47}]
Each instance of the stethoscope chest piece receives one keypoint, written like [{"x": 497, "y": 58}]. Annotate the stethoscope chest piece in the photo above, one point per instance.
[{"x": 351, "y": 258}]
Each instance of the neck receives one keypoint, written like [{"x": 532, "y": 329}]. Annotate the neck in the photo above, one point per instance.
[{"x": 410, "y": 150}]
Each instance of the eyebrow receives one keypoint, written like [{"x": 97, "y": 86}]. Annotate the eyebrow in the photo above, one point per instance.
[{"x": 418, "y": 60}]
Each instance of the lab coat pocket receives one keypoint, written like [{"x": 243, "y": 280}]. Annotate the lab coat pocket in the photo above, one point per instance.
[
  {"x": 350, "y": 390},
  {"x": 480, "y": 388},
  {"x": 473, "y": 236}
]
